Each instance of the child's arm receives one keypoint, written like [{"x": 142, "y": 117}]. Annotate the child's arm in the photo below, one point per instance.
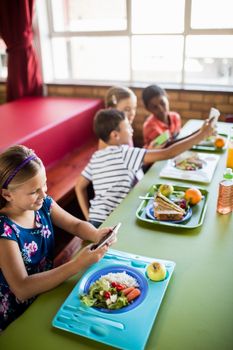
[
  {"x": 180, "y": 146},
  {"x": 75, "y": 226},
  {"x": 82, "y": 195},
  {"x": 25, "y": 286},
  {"x": 172, "y": 141}
]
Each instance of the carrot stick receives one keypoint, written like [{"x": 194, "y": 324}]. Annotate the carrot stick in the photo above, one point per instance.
[
  {"x": 126, "y": 291},
  {"x": 133, "y": 294}
]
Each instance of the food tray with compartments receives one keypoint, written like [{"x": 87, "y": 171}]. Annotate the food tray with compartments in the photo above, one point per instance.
[{"x": 120, "y": 328}]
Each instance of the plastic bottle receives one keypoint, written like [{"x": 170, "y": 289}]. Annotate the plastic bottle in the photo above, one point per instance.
[
  {"x": 225, "y": 193},
  {"x": 230, "y": 151}
]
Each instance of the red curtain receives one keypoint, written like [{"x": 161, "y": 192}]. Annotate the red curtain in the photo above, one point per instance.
[{"x": 24, "y": 77}]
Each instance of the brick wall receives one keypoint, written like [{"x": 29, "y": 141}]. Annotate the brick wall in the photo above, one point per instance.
[{"x": 189, "y": 104}]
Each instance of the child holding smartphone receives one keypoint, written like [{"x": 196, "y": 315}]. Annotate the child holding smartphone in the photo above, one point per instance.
[
  {"x": 27, "y": 216},
  {"x": 113, "y": 170},
  {"x": 161, "y": 119}
]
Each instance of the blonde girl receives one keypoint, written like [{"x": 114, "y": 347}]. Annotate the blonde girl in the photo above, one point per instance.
[
  {"x": 27, "y": 237},
  {"x": 123, "y": 99}
]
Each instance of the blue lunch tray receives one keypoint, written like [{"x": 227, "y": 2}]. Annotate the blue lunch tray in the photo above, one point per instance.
[{"x": 118, "y": 328}]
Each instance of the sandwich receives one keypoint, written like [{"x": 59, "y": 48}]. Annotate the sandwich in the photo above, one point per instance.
[{"x": 165, "y": 209}]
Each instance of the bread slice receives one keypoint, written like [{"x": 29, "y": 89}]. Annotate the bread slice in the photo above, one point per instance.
[
  {"x": 165, "y": 209},
  {"x": 170, "y": 215},
  {"x": 164, "y": 203}
]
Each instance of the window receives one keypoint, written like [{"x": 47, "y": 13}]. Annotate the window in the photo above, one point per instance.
[
  {"x": 88, "y": 58},
  {"x": 137, "y": 41},
  {"x": 209, "y": 59},
  {"x": 209, "y": 14},
  {"x": 3, "y": 60},
  {"x": 88, "y": 15}
]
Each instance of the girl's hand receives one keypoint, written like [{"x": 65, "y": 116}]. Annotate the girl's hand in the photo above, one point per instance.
[
  {"x": 106, "y": 230},
  {"x": 101, "y": 232},
  {"x": 87, "y": 257}
]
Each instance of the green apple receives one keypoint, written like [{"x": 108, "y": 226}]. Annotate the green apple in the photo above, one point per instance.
[
  {"x": 166, "y": 190},
  {"x": 156, "y": 271}
]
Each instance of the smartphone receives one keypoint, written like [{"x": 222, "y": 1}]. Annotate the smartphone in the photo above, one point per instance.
[
  {"x": 214, "y": 113},
  {"x": 106, "y": 238},
  {"x": 162, "y": 138}
]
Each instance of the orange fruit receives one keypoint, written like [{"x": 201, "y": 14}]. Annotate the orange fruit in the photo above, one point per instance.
[
  {"x": 219, "y": 142},
  {"x": 193, "y": 195}
]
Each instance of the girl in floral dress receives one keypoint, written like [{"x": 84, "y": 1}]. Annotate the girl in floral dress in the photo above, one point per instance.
[{"x": 27, "y": 237}]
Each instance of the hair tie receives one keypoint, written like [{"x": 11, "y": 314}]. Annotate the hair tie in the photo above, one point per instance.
[
  {"x": 17, "y": 169},
  {"x": 114, "y": 99}
]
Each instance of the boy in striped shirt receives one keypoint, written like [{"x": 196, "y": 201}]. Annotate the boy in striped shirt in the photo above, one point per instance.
[{"x": 114, "y": 170}]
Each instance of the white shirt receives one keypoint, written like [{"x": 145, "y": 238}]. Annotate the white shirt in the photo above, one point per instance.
[{"x": 113, "y": 172}]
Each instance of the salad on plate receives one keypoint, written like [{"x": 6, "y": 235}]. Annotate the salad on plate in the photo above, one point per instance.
[
  {"x": 112, "y": 291},
  {"x": 191, "y": 162}
]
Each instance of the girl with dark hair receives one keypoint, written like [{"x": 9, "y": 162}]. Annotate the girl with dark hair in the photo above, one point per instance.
[{"x": 161, "y": 118}]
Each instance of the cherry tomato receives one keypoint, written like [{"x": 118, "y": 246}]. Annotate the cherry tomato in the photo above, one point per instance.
[
  {"x": 107, "y": 295},
  {"x": 120, "y": 287}
]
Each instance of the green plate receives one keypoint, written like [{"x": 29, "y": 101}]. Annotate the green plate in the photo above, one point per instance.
[
  {"x": 198, "y": 210},
  {"x": 211, "y": 148}
]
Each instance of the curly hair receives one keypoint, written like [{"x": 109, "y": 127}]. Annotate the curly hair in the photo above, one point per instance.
[{"x": 152, "y": 91}]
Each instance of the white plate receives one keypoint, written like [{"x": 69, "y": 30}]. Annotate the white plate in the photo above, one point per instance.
[{"x": 201, "y": 175}]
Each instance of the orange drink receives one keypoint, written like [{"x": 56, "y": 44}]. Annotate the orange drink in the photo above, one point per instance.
[
  {"x": 230, "y": 150},
  {"x": 230, "y": 155}
]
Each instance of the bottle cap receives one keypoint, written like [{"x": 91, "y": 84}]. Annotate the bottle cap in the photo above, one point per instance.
[{"x": 228, "y": 174}]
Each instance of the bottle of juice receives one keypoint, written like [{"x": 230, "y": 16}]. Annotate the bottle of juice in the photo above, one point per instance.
[
  {"x": 230, "y": 151},
  {"x": 225, "y": 193}
]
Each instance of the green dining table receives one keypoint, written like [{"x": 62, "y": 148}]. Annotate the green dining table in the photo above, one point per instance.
[{"x": 196, "y": 312}]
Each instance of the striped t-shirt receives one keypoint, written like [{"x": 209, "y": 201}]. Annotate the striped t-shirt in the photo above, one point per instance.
[{"x": 113, "y": 172}]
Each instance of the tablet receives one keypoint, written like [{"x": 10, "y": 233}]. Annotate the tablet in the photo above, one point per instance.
[{"x": 162, "y": 138}]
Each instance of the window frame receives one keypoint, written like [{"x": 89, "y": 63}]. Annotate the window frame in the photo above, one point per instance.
[{"x": 128, "y": 33}]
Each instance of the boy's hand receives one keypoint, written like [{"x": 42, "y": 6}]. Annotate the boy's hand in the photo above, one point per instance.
[{"x": 207, "y": 128}]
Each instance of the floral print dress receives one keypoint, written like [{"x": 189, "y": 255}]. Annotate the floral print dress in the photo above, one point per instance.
[{"x": 36, "y": 247}]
